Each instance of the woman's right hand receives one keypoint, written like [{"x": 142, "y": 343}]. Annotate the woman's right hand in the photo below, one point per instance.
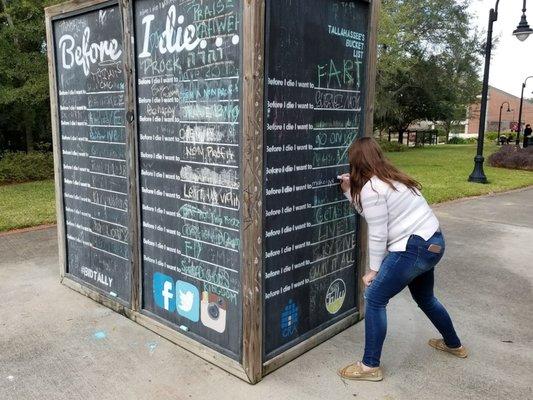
[{"x": 345, "y": 182}]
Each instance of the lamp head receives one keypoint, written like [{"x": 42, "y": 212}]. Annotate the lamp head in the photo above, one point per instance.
[{"x": 523, "y": 30}]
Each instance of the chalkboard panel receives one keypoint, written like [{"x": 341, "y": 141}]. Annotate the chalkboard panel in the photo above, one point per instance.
[
  {"x": 90, "y": 82},
  {"x": 314, "y": 86},
  {"x": 189, "y": 104}
]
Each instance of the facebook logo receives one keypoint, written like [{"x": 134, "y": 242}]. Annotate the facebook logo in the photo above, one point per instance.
[{"x": 164, "y": 294}]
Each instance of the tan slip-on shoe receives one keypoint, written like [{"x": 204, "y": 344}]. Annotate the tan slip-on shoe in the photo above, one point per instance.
[
  {"x": 355, "y": 372},
  {"x": 439, "y": 344}
]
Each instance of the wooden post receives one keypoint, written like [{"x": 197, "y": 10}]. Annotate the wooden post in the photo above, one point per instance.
[
  {"x": 375, "y": 6},
  {"x": 131, "y": 141},
  {"x": 58, "y": 171},
  {"x": 362, "y": 239},
  {"x": 252, "y": 156}
]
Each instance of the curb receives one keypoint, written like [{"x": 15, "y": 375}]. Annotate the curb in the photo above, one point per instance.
[
  {"x": 25, "y": 230},
  {"x": 486, "y": 195}
]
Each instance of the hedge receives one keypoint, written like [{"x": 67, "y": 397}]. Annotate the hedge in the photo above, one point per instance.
[
  {"x": 510, "y": 156},
  {"x": 391, "y": 147},
  {"x": 25, "y": 167}
]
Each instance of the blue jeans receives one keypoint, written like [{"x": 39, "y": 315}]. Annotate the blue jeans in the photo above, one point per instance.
[{"x": 413, "y": 267}]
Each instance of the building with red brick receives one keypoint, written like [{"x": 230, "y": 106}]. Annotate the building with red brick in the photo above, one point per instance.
[{"x": 498, "y": 97}]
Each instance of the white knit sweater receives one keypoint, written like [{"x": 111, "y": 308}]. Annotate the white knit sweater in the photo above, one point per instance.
[{"x": 392, "y": 216}]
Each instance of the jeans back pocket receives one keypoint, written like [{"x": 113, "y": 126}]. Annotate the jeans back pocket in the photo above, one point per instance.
[{"x": 429, "y": 255}]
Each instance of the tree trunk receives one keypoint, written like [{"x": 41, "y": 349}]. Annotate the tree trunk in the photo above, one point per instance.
[
  {"x": 447, "y": 127},
  {"x": 400, "y": 135},
  {"x": 29, "y": 139},
  {"x": 28, "y": 129}
]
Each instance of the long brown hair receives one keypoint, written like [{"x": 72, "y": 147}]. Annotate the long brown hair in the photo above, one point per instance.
[{"x": 366, "y": 161}]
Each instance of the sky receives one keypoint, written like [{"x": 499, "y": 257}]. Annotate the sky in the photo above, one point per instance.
[{"x": 512, "y": 60}]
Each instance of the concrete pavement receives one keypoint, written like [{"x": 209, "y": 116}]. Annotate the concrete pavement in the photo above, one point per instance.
[{"x": 57, "y": 344}]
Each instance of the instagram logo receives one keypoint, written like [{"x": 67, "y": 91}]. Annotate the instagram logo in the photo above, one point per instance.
[{"x": 213, "y": 312}]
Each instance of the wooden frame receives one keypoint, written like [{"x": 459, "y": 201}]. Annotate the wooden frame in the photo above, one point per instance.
[
  {"x": 63, "y": 10},
  {"x": 362, "y": 240},
  {"x": 252, "y": 155},
  {"x": 131, "y": 129},
  {"x": 251, "y": 368}
]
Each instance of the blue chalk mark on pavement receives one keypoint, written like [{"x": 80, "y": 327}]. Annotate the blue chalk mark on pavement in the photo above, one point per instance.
[
  {"x": 100, "y": 335},
  {"x": 151, "y": 347}
]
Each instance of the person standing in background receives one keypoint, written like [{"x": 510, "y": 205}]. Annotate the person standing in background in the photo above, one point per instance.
[{"x": 527, "y": 134}]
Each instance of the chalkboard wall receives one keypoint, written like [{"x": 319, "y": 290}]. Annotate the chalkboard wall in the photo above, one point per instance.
[
  {"x": 90, "y": 81},
  {"x": 314, "y": 86},
  {"x": 189, "y": 116},
  {"x": 227, "y": 224}
]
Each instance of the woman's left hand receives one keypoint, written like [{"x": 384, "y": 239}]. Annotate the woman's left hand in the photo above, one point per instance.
[{"x": 369, "y": 277}]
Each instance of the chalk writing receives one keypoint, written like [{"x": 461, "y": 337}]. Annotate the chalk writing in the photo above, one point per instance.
[
  {"x": 314, "y": 105},
  {"x": 189, "y": 88},
  {"x": 93, "y": 147},
  {"x": 87, "y": 53}
]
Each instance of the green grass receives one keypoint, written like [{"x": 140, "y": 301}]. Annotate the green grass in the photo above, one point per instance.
[
  {"x": 443, "y": 172},
  {"x": 27, "y": 204}
]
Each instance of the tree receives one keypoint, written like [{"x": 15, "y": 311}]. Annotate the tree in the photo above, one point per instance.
[
  {"x": 24, "y": 96},
  {"x": 427, "y": 63},
  {"x": 409, "y": 96}
]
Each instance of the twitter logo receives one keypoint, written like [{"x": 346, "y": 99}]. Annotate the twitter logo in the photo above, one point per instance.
[{"x": 188, "y": 301}]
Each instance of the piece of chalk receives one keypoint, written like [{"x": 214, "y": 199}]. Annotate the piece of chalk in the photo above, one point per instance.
[{"x": 184, "y": 328}]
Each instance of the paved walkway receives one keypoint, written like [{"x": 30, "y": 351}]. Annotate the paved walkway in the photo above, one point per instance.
[{"x": 48, "y": 348}]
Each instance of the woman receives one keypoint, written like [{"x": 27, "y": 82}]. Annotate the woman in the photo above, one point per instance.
[{"x": 405, "y": 244}]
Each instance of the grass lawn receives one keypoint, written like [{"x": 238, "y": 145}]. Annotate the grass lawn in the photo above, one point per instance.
[
  {"x": 27, "y": 204},
  {"x": 443, "y": 172}
]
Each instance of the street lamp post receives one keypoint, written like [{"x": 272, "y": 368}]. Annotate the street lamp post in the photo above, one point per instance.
[
  {"x": 500, "y": 120},
  {"x": 478, "y": 175},
  {"x": 520, "y": 112},
  {"x": 522, "y": 32}
]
